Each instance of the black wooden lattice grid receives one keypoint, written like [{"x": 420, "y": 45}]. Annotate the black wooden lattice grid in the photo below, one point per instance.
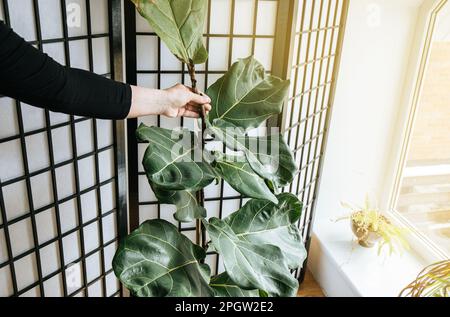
[{"x": 105, "y": 219}]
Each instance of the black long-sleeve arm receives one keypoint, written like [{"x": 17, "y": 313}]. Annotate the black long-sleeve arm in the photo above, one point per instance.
[{"x": 33, "y": 77}]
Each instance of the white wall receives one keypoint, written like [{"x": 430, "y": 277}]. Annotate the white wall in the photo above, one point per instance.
[{"x": 370, "y": 93}]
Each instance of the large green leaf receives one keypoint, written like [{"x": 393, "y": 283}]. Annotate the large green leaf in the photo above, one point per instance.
[
  {"x": 185, "y": 201},
  {"x": 179, "y": 23},
  {"x": 246, "y": 95},
  {"x": 269, "y": 156},
  {"x": 224, "y": 286},
  {"x": 242, "y": 178},
  {"x": 250, "y": 265},
  {"x": 156, "y": 260},
  {"x": 263, "y": 222},
  {"x": 170, "y": 160}
]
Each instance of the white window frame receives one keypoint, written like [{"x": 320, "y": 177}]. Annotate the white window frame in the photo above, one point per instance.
[{"x": 418, "y": 62}]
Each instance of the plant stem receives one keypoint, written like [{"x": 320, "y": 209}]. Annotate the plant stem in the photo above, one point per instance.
[
  {"x": 200, "y": 232},
  {"x": 191, "y": 70}
]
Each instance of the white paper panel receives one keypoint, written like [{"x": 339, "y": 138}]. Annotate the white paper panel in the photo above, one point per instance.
[
  {"x": 89, "y": 205},
  {"x": 91, "y": 238},
  {"x": 147, "y": 58},
  {"x": 8, "y": 110},
  {"x": 51, "y": 19},
  {"x": 86, "y": 172},
  {"x": 100, "y": 48},
  {"x": 37, "y": 150},
  {"x": 244, "y": 8},
  {"x": 46, "y": 225},
  {"x": 53, "y": 286},
  {"x": 109, "y": 227},
  {"x": 110, "y": 250},
  {"x": 21, "y": 237},
  {"x": 65, "y": 180},
  {"x": 68, "y": 215},
  {"x": 242, "y": 47},
  {"x": 108, "y": 197},
  {"x": 262, "y": 48},
  {"x": 95, "y": 290},
  {"x": 3, "y": 253},
  {"x": 220, "y": 16},
  {"x": 76, "y": 17},
  {"x": 79, "y": 54},
  {"x": 84, "y": 137},
  {"x": 267, "y": 14},
  {"x": 28, "y": 274},
  {"x": 62, "y": 144},
  {"x": 11, "y": 164},
  {"x": 41, "y": 187},
  {"x": 50, "y": 258},
  {"x": 99, "y": 14},
  {"x": 22, "y": 18},
  {"x": 15, "y": 203},
  {"x": 33, "y": 118},
  {"x": 93, "y": 265},
  {"x": 71, "y": 245},
  {"x": 218, "y": 59},
  {"x": 55, "y": 51},
  {"x": 104, "y": 133},
  {"x": 6, "y": 288},
  {"x": 106, "y": 167},
  {"x": 112, "y": 284}
]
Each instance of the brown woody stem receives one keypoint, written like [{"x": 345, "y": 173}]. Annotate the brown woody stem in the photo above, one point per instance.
[{"x": 200, "y": 232}]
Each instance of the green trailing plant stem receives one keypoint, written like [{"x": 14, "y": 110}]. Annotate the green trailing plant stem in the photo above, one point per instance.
[{"x": 260, "y": 243}]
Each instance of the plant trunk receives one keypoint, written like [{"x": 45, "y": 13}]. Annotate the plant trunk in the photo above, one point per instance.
[{"x": 200, "y": 232}]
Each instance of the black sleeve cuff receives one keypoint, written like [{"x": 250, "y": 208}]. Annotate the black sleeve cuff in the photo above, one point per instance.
[{"x": 128, "y": 94}]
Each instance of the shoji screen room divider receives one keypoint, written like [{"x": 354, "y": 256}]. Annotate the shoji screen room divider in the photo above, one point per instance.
[
  {"x": 63, "y": 179},
  {"x": 62, "y": 198}
]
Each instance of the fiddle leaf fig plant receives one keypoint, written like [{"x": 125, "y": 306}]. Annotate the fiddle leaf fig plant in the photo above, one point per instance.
[
  {"x": 278, "y": 170},
  {"x": 224, "y": 286},
  {"x": 156, "y": 260},
  {"x": 260, "y": 243},
  {"x": 170, "y": 162},
  {"x": 252, "y": 265},
  {"x": 242, "y": 178},
  {"x": 263, "y": 222},
  {"x": 187, "y": 207},
  {"x": 179, "y": 24},
  {"x": 246, "y": 96}
]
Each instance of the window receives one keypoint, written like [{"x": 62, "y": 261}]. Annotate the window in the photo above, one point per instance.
[{"x": 422, "y": 198}]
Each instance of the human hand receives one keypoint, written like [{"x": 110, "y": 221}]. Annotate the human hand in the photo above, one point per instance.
[
  {"x": 184, "y": 103},
  {"x": 177, "y": 101}
]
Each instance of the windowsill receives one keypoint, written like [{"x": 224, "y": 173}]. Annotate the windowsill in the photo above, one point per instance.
[{"x": 362, "y": 271}]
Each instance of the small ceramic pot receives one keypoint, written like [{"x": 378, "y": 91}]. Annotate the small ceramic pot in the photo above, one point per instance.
[{"x": 366, "y": 238}]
